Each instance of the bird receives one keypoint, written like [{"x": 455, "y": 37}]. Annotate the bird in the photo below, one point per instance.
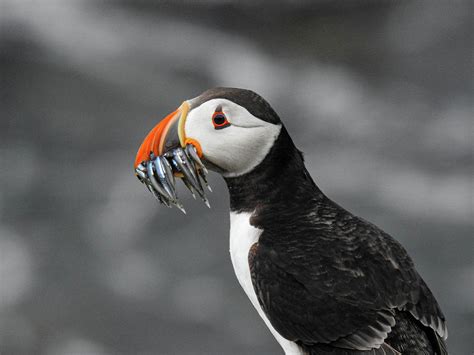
[{"x": 323, "y": 280}]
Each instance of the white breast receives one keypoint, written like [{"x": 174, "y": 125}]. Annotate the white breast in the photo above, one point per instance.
[{"x": 242, "y": 237}]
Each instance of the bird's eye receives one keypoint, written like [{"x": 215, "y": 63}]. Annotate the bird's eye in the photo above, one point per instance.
[{"x": 219, "y": 120}]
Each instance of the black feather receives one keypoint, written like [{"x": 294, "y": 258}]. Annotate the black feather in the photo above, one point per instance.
[{"x": 327, "y": 279}]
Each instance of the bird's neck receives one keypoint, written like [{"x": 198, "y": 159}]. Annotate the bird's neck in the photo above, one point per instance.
[{"x": 277, "y": 185}]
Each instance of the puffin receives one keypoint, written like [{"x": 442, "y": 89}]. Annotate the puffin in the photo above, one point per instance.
[{"x": 323, "y": 280}]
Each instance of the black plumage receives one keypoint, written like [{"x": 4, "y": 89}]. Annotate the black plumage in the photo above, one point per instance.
[
  {"x": 326, "y": 279},
  {"x": 248, "y": 99}
]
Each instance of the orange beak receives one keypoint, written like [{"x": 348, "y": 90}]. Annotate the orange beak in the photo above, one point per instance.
[{"x": 166, "y": 135}]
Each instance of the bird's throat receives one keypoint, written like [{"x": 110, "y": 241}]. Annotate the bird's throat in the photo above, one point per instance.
[{"x": 280, "y": 181}]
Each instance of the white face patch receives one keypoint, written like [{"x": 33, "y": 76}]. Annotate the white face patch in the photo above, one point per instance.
[{"x": 236, "y": 149}]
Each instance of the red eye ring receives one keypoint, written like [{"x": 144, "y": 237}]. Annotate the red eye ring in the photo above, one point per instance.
[{"x": 219, "y": 120}]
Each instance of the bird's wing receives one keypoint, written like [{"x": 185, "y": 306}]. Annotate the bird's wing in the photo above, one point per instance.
[{"x": 342, "y": 291}]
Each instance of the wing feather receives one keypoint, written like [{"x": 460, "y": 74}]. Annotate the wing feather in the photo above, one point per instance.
[{"x": 325, "y": 287}]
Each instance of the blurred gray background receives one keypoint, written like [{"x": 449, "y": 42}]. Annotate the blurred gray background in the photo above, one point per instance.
[{"x": 378, "y": 94}]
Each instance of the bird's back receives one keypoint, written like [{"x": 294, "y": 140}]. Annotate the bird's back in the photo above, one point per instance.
[{"x": 326, "y": 279}]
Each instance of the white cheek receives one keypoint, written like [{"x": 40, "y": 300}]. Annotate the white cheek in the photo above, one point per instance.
[
  {"x": 235, "y": 149},
  {"x": 248, "y": 148}
]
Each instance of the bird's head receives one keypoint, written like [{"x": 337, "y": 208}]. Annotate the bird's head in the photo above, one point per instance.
[
  {"x": 231, "y": 129},
  {"x": 227, "y": 130}
]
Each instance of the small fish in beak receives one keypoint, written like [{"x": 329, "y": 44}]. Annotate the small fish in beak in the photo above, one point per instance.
[{"x": 165, "y": 154}]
